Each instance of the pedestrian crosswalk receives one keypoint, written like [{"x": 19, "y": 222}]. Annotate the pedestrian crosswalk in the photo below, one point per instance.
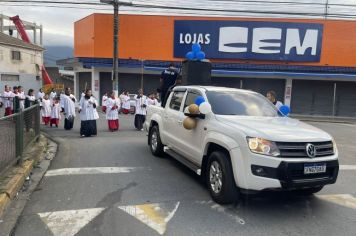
[{"x": 155, "y": 216}]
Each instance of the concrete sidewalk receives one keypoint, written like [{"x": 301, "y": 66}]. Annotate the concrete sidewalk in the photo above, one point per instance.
[{"x": 15, "y": 186}]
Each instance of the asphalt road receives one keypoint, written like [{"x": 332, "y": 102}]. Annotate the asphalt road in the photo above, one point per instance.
[{"x": 139, "y": 194}]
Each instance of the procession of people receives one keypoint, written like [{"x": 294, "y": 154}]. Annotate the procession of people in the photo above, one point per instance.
[{"x": 54, "y": 106}]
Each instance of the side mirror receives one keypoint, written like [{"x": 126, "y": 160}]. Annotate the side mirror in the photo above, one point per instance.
[
  {"x": 199, "y": 116},
  {"x": 284, "y": 110}
]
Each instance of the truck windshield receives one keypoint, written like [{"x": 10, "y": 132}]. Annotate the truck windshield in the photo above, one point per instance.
[{"x": 241, "y": 104}]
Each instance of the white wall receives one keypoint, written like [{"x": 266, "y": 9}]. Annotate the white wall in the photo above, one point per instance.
[{"x": 25, "y": 68}]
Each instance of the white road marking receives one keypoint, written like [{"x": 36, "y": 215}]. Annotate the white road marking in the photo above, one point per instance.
[
  {"x": 345, "y": 200},
  {"x": 156, "y": 216},
  {"x": 90, "y": 171},
  {"x": 347, "y": 167},
  {"x": 68, "y": 223}
]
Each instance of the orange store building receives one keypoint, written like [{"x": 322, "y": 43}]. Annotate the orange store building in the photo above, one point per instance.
[{"x": 311, "y": 64}]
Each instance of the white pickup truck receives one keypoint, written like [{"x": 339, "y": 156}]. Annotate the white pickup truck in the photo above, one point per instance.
[{"x": 244, "y": 145}]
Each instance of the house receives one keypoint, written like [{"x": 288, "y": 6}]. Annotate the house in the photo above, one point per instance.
[{"x": 20, "y": 63}]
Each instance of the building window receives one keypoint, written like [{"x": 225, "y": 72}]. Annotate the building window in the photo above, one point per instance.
[
  {"x": 7, "y": 77},
  {"x": 16, "y": 55}
]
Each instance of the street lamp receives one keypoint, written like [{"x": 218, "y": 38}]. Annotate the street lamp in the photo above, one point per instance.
[{"x": 116, "y": 4}]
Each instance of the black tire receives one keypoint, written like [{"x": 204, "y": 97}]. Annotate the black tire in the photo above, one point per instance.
[
  {"x": 308, "y": 191},
  {"x": 229, "y": 192},
  {"x": 154, "y": 136}
]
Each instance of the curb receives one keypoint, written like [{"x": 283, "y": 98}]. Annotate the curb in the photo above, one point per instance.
[{"x": 17, "y": 176}]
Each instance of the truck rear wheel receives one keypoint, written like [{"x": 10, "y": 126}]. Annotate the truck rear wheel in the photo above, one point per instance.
[
  {"x": 155, "y": 143},
  {"x": 220, "y": 179}
]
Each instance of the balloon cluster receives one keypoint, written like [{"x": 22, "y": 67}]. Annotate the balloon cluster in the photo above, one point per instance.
[
  {"x": 196, "y": 53},
  {"x": 200, "y": 106}
]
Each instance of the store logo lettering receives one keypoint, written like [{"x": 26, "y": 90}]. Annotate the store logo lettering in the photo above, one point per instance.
[
  {"x": 194, "y": 38},
  {"x": 267, "y": 40}
]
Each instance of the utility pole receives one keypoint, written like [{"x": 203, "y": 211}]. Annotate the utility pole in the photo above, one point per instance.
[
  {"x": 326, "y": 9},
  {"x": 115, "y": 75}
]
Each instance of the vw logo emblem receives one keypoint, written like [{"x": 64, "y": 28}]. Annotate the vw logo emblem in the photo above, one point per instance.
[{"x": 311, "y": 150}]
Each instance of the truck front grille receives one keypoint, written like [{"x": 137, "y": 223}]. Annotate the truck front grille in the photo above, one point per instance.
[{"x": 298, "y": 149}]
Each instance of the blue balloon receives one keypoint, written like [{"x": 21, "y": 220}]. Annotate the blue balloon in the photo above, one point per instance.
[
  {"x": 190, "y": 55},
  {"x": 200, "y": 55},
  {"x": 199, "y": 100},
  {"x": 284, "y": 110},
  {"x": 196, "y": 47}
]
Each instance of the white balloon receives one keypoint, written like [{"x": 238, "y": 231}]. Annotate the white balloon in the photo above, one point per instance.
[
  {"x": 186, "y": 110},
  {"x": 205, "y": 108}
]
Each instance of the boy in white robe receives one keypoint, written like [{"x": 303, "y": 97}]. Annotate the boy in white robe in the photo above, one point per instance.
[
  {"x": 140, "y": 112},
  {"x": 151, "y": 100},
  {"x": 46, "y": 110},
  {"x": 7, "y": 100},
  {"x": 55, "y": 113},
  {"x": 52, "y": 95},
  {"x": 21, "y": 97},
  {"x": 88, "y": 114},
  {"x": 103, "y": 102},
  {"x": 126, "y": 106},
  {"x": 112, "y": 112},
  {"x": 68, "y": 108}
]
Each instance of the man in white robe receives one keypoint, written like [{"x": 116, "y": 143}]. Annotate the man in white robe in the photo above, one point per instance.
[
  {"x": 141, "y": 110},
  {"x": 68, "y": 107},
  {"x": 88, "y": 114},
  {"x": 112, "y": 112}
]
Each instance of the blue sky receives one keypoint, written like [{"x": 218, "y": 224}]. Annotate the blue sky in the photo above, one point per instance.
[{"x": 58, "y": 23}]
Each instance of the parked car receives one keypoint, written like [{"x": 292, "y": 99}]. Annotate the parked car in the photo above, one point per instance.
[{"x": 244, "y": 145}]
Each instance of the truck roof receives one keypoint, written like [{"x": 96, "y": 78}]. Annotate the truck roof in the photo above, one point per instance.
[{"x": 212, "y": 88}]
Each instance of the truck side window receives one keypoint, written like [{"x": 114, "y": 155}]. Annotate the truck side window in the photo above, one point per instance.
[
  {"x": 191, "y": 96},
  {"x": 176, "y": 100}
]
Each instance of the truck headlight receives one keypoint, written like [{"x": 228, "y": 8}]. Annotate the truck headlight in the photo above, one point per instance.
[{"x": 263, "y": 146}]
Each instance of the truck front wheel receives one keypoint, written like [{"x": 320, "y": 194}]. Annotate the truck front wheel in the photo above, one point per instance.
[
  {"x": 156, "y": 145},
  {"x": 220, "y": 178}
]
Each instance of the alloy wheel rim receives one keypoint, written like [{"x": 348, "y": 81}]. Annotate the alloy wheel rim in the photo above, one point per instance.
[
  {"x": 154, "y": 141},
  {"x": 215, "y": 175}
]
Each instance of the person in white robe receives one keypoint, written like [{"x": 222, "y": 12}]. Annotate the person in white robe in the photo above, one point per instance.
[
  {"x": 112, "y": 112},
  {"x": 40, "y": 96},
  {"x": 52, "y": 95},
  {"x": 55, "y": 113},
  {"x": 141, "y": 110},
  {"x": 21, "y": 96},
  {"x": 7, "y": 99},
  {"x": 46, "y": 110},
  {"x": 30, "y": 99},
  {"x": 152, "y": 101},
  {"x": 88, "y": 114},
  {"x": 103, "y": 102},
  {"x": 68, "y": 108},
  {"x": 126, "y": 106}
]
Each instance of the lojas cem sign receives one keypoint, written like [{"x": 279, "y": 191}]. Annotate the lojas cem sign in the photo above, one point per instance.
[{"x": 251, "y": 40}]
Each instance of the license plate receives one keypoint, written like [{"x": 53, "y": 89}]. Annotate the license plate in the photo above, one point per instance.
[{"x": 314, "y": 168}]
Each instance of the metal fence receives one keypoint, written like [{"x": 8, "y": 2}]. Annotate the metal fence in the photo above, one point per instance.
[{"x": 17, "y": 131}]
